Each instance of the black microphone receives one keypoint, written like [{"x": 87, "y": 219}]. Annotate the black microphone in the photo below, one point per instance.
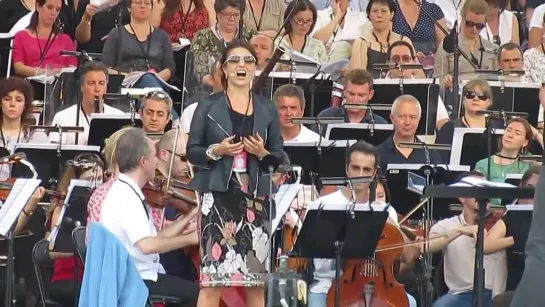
[{"x": 449, "y": 43}]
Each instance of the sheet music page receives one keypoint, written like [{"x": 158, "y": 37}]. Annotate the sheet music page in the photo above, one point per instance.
[
  {"x": 283, "y": 198},
  {"x": 519, "y": 207},
  {"x": 53, "y": 234},
  {"x": 317, "y": 205},
  {"x": 19, "y": 195},
  {"x": 478, "y": 182}
]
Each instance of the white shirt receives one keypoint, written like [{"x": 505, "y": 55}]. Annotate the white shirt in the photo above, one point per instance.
[
  {"x": 353, "y": 22},
  {"x": 324, "y": 269},
  {"x": 67, "y": 118},
  {"x": 187, "y": 116},
  {"x": 451, "y": 9},
  {"x": 505, "y": 28},
  {"x": 537, "y": 17},
  {"x": 123, "y": 214},
  {"x": 305, "y": 135}
]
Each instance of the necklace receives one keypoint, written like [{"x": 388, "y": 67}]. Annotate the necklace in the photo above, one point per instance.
[{"x": 382, "y": 48}]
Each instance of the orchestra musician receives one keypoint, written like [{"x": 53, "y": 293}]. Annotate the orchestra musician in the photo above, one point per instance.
[
  {"x": 362, "y": 159},
  {"x": 405, "y": 116},
  {"x": 290, "y": 101},
  {"x": 61, "y": 287},
  {"x": 512, "y": 237},
  {"x": 156, "y": 111},
  {"x": 232, "y": 135},
  {"x": 94, "y": 82},
  {"x": 122, "y": 214},
  {"x": 16, "y": 117},
  {"x": 263, "y": 46}
]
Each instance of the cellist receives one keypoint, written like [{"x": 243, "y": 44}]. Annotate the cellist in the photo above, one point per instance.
[{"x": 362, "y": 160}]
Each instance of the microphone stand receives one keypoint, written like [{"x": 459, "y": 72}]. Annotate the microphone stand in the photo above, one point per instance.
[{"x": 240, "y": 32}]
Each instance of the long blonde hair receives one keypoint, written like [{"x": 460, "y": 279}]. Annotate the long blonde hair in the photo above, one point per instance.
[{"x": 109, "y": 149}]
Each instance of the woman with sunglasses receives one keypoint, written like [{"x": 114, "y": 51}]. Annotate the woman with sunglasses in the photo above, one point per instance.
[
  {"x": 87, "y": 167},
  {"x": 234, "y": 136},
  {"x": 208, "y": 44},
  {"x": 514, "y": 142},
  {"x": 372, "y": 47},
  {"x": 479, "y": 50},
  {"x": 297, "y": 36},
  {"x": 502, "y": 25}
]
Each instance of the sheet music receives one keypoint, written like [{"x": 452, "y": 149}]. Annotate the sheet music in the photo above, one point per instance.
[
  {"x": 111, "y": 116},
  {"x": 19, "y": 195},
  {"x": 519, "y": 207},
  {"x": 139, "y": 91},
  {"x": 454, "y": 168},
  {"x": 317, "y": 205},
  {"x": 283, "y": 198},
  {"x": 53, "y": 234},
  {"x": 134, "y": 77},
  {"x": 479, "y": 182}
]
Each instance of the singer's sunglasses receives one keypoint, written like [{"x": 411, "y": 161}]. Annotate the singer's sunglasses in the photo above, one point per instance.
[
  {"x": 478, "y": 25},
  {"x": 235, "y": 59},
  {"x": 481, "y": 96},
  {"x": 183, "y": 158}
]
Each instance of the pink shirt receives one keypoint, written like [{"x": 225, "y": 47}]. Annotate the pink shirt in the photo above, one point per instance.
[{"x": 26, "y": 50}]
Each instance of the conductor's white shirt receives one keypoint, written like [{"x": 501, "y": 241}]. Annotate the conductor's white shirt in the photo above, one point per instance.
[
  {"x": 67, "y": 118},
  {"x": 124, "y": 214}
]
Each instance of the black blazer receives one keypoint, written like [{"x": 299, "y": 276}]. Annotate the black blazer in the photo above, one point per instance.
[{"x": 211, "y": 124}]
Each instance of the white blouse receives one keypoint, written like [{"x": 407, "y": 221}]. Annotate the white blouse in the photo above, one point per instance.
[{"x": 505, "y": 30}]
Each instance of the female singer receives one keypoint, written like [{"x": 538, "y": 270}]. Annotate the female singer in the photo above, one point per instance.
[
  {"x": 16, "y": 117},
  {"x": 38, "y": 48},
  {"x": 233, "y": 134},
  {"x": 139, "y": 47},
  {"x": 373, "y": 46},
  {"x": 516, "y": 138},
  {"x": 297, "y": 35},
  {"x": 89, "y": 168}
]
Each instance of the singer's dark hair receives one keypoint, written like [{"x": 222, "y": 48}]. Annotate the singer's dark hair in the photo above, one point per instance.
[
  {"x": 365, "y": 148},
  {"x": 236, "y": 43},
  {"x": 171, "y": 6},
  {"x": 92, "y": 66},
  {"x": 22, "y": 86},
  {"x": 296, "y": 7},
  {"x": 400, "y": 43},
  {"x": 220, "y": 5},
  {"x": 534, "y": 170},
  {"x": 509, "y": 46},
  {"x": 34, "y": 18},
  {"x": 389, "y": 3},
  {"x": 359, "y": 77}
]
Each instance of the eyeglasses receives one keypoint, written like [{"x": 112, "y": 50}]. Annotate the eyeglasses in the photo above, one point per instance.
[
  {"x": 303, "y": 22},
  {"x": 231, "y": 16},
  {"x": 183, "y": 158},
  {"x": 478, "y": 25},
  {"x": 402, "y": 59},
  {"x": 235, "y": 59},
  {"x": 481, "y": 96}
]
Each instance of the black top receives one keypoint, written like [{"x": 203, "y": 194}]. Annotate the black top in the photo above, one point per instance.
[
  {"x": 341, "y": 112},
  {"x": 389, "y": 154},
  {"x": 515, "y": 254},
  {"x": 10, "y": 12},
  {"x": 243, "y": 124},
  {"x": 375, "y": 57}
]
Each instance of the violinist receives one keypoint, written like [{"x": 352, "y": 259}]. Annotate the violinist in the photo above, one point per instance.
[
  {"x": 512, "y": 238},
  {"x": 362, "y": 160},
  {"x": 86, "y": 167},
  {"x": 452, "y": 236},
  {"x": 156, "y": 111},
  {"x": 16, "y": 117},
  {"x": 94, "y": 82}
]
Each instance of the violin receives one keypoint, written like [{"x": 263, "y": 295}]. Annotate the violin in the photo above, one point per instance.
[
  {"x": 371, "y": 282},
  {"x": 7, "y": 185},
  {"x": 179, "y": 195}
]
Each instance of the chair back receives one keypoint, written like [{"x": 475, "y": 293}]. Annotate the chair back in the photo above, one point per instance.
[
  {"x": 78, "y": 238},
  {"x": 41, "y": 258},
  {"x": 439, "y": 285}
]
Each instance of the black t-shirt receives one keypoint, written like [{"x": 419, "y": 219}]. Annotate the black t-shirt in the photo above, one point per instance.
[{"x": 515, "y": 254}]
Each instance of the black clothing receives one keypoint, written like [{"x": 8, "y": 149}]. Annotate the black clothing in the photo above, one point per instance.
[
  {"x": 389, "y": 154},
  {"x": 515, "y": 254}
]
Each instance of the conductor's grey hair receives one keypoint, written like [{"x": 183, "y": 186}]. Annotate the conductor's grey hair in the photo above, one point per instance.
[{"x": 406, "y": 98}]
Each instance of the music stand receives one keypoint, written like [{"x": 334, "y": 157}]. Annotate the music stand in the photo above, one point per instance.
[
  {"x": 513, "y": 179},
  {"x": 425, "y": 90},
  {"x": 355, "y": 131},
  {"x": 469, "y": 145},
  {"x": 102, "y": 126}
]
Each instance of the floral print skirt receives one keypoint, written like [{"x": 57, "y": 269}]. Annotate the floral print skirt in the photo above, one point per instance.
[{"x": 234, "y": 240}]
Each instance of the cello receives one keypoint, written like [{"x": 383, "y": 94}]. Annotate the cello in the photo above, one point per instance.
[{"x": 371, "y": 282}]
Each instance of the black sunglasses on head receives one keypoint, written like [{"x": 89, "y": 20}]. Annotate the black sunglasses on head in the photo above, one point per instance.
[
  {"x": 472, "y": 94},
  {"x": 478, "y": 25}
]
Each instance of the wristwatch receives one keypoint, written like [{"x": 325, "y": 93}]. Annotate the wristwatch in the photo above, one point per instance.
[{"x": 210, "y": 152}]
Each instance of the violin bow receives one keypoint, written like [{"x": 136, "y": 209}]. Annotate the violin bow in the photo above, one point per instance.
[{"x": 173, "y": 155}]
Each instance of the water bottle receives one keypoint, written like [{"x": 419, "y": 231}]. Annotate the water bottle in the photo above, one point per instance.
[{"x": 281, "y": 286}]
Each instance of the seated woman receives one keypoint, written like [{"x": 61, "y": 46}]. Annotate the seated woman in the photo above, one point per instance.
[
  {"x": 37, "y": 49},
  {"x": 502, "y": 25},
  {"x": 16, "y": 117},
  {"x": 515, "y": 140},
  {"x": 95, "y": 25},
  {"x": 61, "y": 288},
  {"x": 182, "y": 18},
  {"x": 139, "y": 47},
  {"x": 373, "y": 46},
  {"x": 297, "y": 35},
  {"x": 264, "y": 16},
  {"x": 208, "y": 44}
]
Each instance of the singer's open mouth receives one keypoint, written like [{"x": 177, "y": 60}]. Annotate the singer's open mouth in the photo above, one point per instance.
[{"x": 241, "y": 73}]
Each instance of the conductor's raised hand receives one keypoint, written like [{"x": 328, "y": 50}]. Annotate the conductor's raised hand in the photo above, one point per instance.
[{"x": 228, "y": 147}]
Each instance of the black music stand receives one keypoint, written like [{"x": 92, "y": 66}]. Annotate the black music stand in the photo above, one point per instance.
[
  {"x": 516, "y": 97},
  {"x": 373, "y": 134},
  {"x": 518, "y": 215},
  {"x": 427, "y": 93},
  {"x": 101, "y": 129},
  {"x": 482, "y": 194},
  {"x": 335, "y": 234},
  {"x": 470, "y": 145}
]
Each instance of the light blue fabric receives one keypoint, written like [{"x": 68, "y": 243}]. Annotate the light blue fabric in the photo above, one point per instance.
[
  {"x": 320, "y": 300},
  {"x": 110, "y": 278}
]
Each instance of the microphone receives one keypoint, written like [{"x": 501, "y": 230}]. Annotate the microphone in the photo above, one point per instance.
[
  {"x": 449, "y": 42},
  {"x": 16, "y": 157}
]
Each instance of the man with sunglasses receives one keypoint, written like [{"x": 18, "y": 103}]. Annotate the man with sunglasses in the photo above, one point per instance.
[
  {"x": 156, "y": 111},
  {"x": 480, "y": 51}
]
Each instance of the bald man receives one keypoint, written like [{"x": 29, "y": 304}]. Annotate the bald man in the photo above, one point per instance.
[
  {"x": 164, "y": 148},
  {"x": 263, "y": 46}
]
